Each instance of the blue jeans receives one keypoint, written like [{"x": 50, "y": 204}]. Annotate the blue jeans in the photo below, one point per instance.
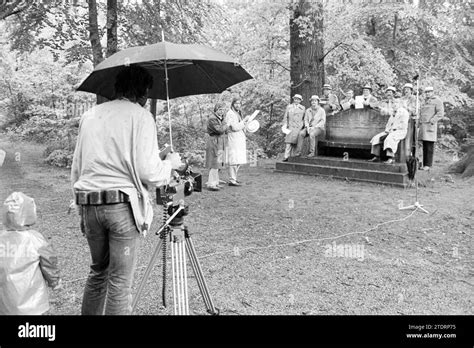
[{"x": 113, "y": 241}]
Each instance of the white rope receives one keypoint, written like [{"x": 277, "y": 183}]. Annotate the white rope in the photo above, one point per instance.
[
  {"x": 311, "y": 240},
  {"x": 291, "y": 243}
]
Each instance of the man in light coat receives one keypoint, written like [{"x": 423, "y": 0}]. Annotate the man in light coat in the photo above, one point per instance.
[
  {"x": 395, "y": 130},
  {"x": 236, "y": 140},
  {"x": 293, "y": 121},
  {"x": 431, "y": 111},
  {"x": 314, "y": 123}
]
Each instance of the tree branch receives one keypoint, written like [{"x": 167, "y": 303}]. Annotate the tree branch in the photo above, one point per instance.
[
  {"x": 332, "y": 49},
  {"x": 272, "y": 61},
  {"x": 7, "y": 10}
]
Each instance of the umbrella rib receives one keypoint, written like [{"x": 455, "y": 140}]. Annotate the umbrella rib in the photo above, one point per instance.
[
  {"x": 208, "y": 76},
  {"x": 161, "y": 65}
]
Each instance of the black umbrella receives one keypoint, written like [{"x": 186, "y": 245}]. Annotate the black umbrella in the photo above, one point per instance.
[
  {"x": 191, "y": 69},
  {"x": 178, "y": 70}
]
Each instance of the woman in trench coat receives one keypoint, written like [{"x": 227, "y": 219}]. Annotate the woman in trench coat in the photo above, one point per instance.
[
  {"x": 236, "y": 140},
  {"x": 216, "y": 145}
]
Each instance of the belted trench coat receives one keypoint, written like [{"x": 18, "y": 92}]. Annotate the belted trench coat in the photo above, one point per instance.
[
  {"x": 431, "y": 111},
  {"x": 216, "y": 142}
]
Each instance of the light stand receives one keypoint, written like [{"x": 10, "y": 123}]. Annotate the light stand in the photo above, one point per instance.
[{"x": 416, "y": 205}]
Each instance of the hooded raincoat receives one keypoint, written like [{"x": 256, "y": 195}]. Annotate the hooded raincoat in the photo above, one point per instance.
[{"x": 27, "y": 262}]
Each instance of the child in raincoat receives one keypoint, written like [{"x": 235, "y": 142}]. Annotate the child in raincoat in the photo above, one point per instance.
[{"x": 27, "y": 261}]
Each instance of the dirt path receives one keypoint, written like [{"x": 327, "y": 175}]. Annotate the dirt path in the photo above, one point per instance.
[{"x": 288, "y": 244}]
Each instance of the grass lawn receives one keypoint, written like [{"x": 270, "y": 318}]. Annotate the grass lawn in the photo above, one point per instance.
[{"x": 286, "y": 244}]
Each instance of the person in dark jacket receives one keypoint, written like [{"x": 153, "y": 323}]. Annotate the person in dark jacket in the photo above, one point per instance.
[
  {"x": 28, "y": 263},
  {"x": 216, "y": 145}
]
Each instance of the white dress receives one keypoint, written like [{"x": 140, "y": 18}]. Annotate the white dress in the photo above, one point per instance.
[{"x": 236, "y": 145}]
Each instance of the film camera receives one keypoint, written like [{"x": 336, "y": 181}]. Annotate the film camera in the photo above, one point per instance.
[{"x": 183, "y": 184}]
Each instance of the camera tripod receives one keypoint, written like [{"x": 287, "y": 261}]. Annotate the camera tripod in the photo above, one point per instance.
[{"x": 174, "y": 231}]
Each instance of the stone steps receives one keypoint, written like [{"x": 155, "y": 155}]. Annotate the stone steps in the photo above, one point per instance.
[{"x": 359, "y": 170}]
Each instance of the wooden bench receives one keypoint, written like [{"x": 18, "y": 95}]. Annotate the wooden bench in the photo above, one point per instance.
[{"x": 351, "y": 130}]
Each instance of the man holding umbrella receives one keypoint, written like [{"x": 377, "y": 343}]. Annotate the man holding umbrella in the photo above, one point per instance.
[{"x": 115, "y": 160}]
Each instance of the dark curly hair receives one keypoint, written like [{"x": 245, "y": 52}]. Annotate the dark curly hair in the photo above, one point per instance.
[{"x": 132, "y": 83}]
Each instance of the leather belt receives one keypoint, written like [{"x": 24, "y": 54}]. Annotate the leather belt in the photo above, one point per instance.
[{"x": 101, "y": 197}]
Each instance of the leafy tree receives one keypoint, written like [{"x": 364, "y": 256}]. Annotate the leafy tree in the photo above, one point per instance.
[
  {"x": 307, "y": 48},
  {"x": 256, "y": 35},
  {"x": 58, "y": 25}
]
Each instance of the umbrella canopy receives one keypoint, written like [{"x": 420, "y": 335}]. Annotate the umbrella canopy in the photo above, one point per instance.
[{"x": 192, "y": 69}]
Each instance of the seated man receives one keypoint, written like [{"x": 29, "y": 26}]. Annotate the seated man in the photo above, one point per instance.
[
  {"x": 314, "y": 123},
  {"x": 395, "y": 130},
  {"x": 348, "y": 101},
  {"x": 386, "y": 106},
  {"x": 329, "y": 100},
  {"x": 368, "y": 100},
  {"x": 293, "y": 121}
]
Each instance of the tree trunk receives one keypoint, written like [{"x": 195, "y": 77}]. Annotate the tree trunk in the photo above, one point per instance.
[
  {"x": 307, "y": 66},
  {"x": 465, "y": 166},
  {"x": 111, "y": 27},
  {"x": 94, "y": 38}
]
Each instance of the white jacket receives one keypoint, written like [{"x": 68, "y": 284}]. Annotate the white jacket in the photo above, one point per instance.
[
  {"x": 236, "y": 139},
  {"x": 397, "y": 127}
]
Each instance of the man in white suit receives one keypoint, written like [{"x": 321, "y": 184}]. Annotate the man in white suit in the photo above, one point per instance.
[{"x": 395, "y": 130}]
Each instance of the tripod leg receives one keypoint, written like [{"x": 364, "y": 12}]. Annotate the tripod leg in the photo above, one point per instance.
[
  {"x": 185, "y": 278},
  {"x": 179, "y": 279},
  {"x": 156, "y": 253},
  {"x": 173, "y": 270},
  {"x": 199, "y": 276}
]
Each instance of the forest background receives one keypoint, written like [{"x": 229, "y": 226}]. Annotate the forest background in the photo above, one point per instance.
[{"x": 49, "y": 47}]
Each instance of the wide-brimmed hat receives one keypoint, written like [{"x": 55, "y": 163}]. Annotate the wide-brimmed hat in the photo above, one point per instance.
[
  {"x": 327, "y": 86},
  {"x": 408, "y": 85},
  {"x": 367, "y": 87},
  {"x": 391, "y": 88},
  {"x": 314, "y": 97},
  {"x": 429, "y": 89},
  {"x": 298, "y": 96},
  {"x": 252, "y": 126}
]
